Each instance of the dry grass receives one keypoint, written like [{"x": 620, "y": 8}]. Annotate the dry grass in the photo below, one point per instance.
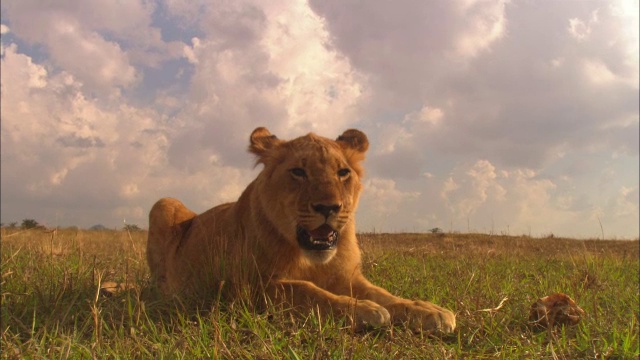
[{"x": 51, "y": 307}]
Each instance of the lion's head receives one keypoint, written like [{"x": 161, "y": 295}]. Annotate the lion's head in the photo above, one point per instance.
[{"x": 309, "y": 187}]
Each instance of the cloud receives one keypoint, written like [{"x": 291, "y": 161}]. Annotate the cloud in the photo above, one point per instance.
[
  {"x": 102, "y": 149},
  {"x": 381, "y": 202},
  {"x": 496, "y": 116},
  {"x": 404, "y": 45},
  {"x": 486, "y": 24},
  {"x": 81, "y": 160},
  {"x": 497, "y": 101},
  {"x": 467, "y": 198},
  {"x": 98, "y": 43},
  {"x": 268, "y": 68},
  {"x": 482, "y": 197},
  {"x": 580, "y": 29}
]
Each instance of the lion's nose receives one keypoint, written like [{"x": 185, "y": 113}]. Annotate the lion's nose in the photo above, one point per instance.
[{"x": 326, "y": 210}]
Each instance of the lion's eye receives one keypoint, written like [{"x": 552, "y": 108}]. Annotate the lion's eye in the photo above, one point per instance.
[
  {"x": 298, "y": 172},
  {"x": 343, "y": 173}
]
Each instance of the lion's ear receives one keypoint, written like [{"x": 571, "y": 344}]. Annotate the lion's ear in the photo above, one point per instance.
[
  {"x": 354, "y": 139},
  {"x": 261, "y": 141}
]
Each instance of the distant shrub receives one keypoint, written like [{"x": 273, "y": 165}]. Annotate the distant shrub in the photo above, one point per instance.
[
  {"x": 131, "y": 227},
  {"x": 30, "y": 224}
]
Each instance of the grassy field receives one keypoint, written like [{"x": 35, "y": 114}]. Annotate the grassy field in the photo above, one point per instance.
[{"x": 52, "y": 307}]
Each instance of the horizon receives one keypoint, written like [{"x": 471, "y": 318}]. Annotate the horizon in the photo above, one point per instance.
[{"x": 439, "y": 233}]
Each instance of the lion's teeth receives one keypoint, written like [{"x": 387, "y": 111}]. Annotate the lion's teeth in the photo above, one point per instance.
[{"x": 320, "y": 241}]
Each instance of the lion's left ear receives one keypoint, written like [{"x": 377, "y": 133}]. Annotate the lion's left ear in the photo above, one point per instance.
[
  {"x": 354, "y": 139},
  {"x": 261, "y": 141}
]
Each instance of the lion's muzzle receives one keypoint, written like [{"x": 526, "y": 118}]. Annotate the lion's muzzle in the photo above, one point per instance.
[{"x": 322, "y": 238}]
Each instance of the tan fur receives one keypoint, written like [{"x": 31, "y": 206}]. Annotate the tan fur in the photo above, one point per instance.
[{"x": 253, "y": 243}]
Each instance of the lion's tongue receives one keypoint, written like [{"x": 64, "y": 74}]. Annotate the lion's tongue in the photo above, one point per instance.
[{"x": 323, "y": 232}]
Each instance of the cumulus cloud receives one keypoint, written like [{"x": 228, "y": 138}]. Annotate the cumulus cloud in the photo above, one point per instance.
[
  {"x": 259, "y": 71},
  {"x": 382, "y": 201},
  {"x": 481, "y": 197},
  {"x": 486, "y": 24},
  {"x": 403, "y": 46},
  {"x": 497, "y": 101},
  {"x": 268, "y": 68},
  {"x": 79, "y": 160},
  {"x": 98, "y": 42},
  {"x": 478, "y": 186}
]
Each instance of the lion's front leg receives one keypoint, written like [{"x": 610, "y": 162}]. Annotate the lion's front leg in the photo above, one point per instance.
[
  {"x": 306, "y": 296},
  {"x": 418, "y": 315}
]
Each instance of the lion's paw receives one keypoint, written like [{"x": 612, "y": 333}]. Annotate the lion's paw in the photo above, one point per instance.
[
  {"x": 369, "y": 314},
  {"x": 422, "y": 315}
]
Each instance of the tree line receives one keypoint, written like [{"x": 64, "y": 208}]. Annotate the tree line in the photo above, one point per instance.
[{"x": 27, "y": 224}]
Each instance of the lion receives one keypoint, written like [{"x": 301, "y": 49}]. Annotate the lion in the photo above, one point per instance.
[{"x": 290, "y": 237}]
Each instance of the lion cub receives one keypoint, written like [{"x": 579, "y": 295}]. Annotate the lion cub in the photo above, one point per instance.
[{"x": 290, "y": 237}]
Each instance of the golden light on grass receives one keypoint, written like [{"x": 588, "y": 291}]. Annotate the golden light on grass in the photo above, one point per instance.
[{"x": 50, "y": 307}]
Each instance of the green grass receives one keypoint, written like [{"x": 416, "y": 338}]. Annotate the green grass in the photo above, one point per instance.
[{"x": 51, "y": 307}]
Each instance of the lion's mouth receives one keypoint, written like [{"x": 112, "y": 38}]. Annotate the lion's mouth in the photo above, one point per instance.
[{"x": 322, "y": 238}]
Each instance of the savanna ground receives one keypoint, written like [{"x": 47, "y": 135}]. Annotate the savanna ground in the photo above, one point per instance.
[{"x": 52, "y": 306}]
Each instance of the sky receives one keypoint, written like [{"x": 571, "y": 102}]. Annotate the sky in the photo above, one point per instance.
[{"x": 502, "y": 117}]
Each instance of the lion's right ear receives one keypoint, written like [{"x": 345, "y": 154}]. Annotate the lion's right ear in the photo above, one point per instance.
[
  {"x": 261, "y": 141},
  {"x": 354, "y": 144},
  {"x": 354, "y": 139}
]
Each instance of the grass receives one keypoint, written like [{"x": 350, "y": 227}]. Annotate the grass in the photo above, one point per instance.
[{"x": 52, "y": 307}]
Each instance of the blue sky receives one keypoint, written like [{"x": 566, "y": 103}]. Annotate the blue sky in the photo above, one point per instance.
[{"x": 516, "y": 117}]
